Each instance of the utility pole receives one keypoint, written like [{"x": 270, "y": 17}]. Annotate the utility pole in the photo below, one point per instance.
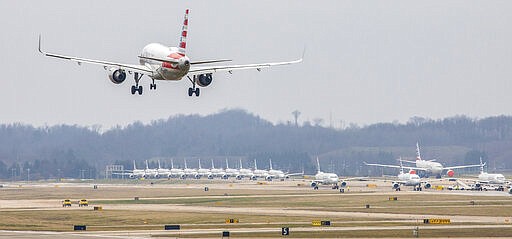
[{"x": 296, "y": 114}]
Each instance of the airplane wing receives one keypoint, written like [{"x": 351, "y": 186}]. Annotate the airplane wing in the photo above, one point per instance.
[
  {"x": 128, "y": 67},
  {"x": 229, "y": 68},
  {"x": 463, "y": 166},
  {"x": 392, "y": 166}
]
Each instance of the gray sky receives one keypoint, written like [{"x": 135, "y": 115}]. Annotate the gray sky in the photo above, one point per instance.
[{"x": 366, "y": 61}]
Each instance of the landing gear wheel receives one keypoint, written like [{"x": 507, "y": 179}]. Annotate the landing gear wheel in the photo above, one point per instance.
[
  {"x": 140, "y": 90},
  {"x": 197, "y": 92},
  {"x": 190, "y": 91},
  {"x": 133, "y": 90},
  {"x": 152, "y": 86}
]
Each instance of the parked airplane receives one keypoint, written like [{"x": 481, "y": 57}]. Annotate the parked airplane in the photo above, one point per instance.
[
  {"x": 259, "y": 173},
  {"x": 162, "y": 172},
  {"x": 161, "y": 62},
  {"x": 190, "y": 172},
  {"x": 427, "y": 168},
  {"x": 245, "y": 172},
  {"x": 322, "y": 178},
  {"x": 279, "y": 174},
  {"x": 231, "y": 172},
  {"x": 218, "y": 172},
  {"x": 490, "y": 178},
  {"x": 137, "y": 173},
  {"x": 176, "y": 172},
  {"x": 406, "y": 179},
  {"x": 203, "y": 172}
]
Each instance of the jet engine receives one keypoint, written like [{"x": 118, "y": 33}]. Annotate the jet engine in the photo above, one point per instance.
[
  {"x": 427, "y": 185},
  {"x": 225, "y": 176},
  {"x": 210, "y": 176},
  {"x": 450, "y": 173},
  {"x": 204, "y": 79},
  {"x": 254, "y": 177},
  {"x": 343, "y": 184},
  {"x": 197, "y": 176},
  {"x": 268, "y": 178},
  {"x": 131, "y": 176},
  {"x": 117, "y": 76},
  {"x": 157, "y": 175},
  {"x": 314, "y": 184},
  {"x": 183, "y": 176},
  {"x": 510, "y": 190},
  {"x": 396, "y": 185},
  {"x": 238, "y": 177}
]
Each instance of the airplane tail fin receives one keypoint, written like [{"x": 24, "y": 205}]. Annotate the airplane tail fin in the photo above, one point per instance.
[
  {"x": 213, "y": 166},
  {"x": 134, "y": 166},
  {"x": 418, "y": 154},
  {"x": 227, "y": 164},
  {"x": 185, "y": 160},
  {"x": 159, "y": 164},
  {"x": 184, "y": 31},
  {"x": 270, "y": 161},
  {"x": 147, "y": 165},
  {"x": 317, "y": 165},
  {"x": 255, "y": 165},
  {"x": 241, "y": 164},
  {"x": 172, "y": 163},
  {"x": 481, "y": 166},
  {"x": 199, "y": 163},
  {"x": 401, "y": 166}
]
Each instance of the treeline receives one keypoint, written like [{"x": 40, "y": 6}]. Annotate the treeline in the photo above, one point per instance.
[{"x": 67, "y": 151}]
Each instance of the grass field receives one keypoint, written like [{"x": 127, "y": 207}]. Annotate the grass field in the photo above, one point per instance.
[{"x": 149, "y": 213}]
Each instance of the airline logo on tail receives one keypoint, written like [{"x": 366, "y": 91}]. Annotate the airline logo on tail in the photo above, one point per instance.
[{"x": 418, "y": 155}]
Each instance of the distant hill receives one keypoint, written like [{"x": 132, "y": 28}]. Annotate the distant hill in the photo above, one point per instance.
[{"x": 72, "y": 151}]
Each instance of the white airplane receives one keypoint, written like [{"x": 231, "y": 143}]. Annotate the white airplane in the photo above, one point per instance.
[
  {"x": 203, "y": 172},
  {"x": 406, "y": 179},
  {"x": 176, "y": 172},
  {"x": 279, "y": 174},
  {"x": 430, "y": 167},
  {"x": 259, "y": 173},
  {"x": 190, "y": 172},
  {"x": 231, "y": 172},
  {"x": 153, "y": 173},
  {"x": 137, "y": 173},
  {"x": 322, "y": 178},
  {"x": 245, "y": 172},
  {"x": 218, "y": 172},
  {"x": 161, "y": 62},
  {"x": 490, "y": 178},
  {"x": 162, "y": 172}
]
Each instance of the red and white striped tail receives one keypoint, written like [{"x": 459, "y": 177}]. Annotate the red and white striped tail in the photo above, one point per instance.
[{"x": 184, "y": 31}]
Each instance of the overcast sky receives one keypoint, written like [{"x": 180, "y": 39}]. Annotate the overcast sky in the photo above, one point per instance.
[{"x": 365, "y": 62}]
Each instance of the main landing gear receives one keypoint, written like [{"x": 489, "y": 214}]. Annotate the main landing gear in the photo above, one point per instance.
[
  {"x": 153, "y": 85},
  {"x": 137, "y": 87},
  {"x": 193, "y": 90}
]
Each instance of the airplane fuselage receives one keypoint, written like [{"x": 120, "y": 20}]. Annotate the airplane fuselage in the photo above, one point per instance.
[
  {"x": 433, "y": 168},
  {"x": 165, "y": 70},
  {"x": 494, "y": 178}
]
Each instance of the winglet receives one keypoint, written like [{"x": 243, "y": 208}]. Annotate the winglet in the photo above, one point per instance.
[{"x": 40, "y": 45}]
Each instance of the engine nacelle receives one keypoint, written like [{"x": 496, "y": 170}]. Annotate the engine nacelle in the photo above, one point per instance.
[
  {"x": 183, "y": 176},
  {"x": 239, "y": 177},
  {"x": 197, "y": 176},
  {"x": 396, "y": 185},
  {"x": 117, "y": 76},
  {"x": 157, "y": 175},
  {"x": 145, "y": 176},
  {"x": 254, "y": 178},
  {"x": 224, "y": 176},
  {"x": 343, "y": 184},
  {"x": 314, "y": 184},
  {"x": 268, "y": 178},
  {"x": 204, "y": 80},
  {"x": 131, "y": 176},
  {"x": 210, "y": 176},
  {"x": 510, "y": 190},
  {"x": 428, "y": 185},
  {"x": 450, "y": 173}
]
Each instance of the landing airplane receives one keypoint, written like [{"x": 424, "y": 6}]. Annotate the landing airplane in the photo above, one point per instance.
[{"x": 161, "y": 62}]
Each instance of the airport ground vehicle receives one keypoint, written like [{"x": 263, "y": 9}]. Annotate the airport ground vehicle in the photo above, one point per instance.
[
  {"x": 83, "y": 203},
  {"x": 66, "y": 203}
]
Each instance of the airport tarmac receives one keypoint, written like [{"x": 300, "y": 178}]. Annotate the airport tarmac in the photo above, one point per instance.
[{"x": 263, "y": 208}]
